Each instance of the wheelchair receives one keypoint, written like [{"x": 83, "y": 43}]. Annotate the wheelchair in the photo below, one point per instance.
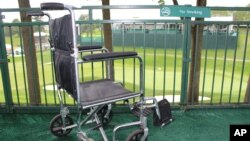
[
  {"x": 105, "y": 113},
  {"x": 95, "y": 95}
]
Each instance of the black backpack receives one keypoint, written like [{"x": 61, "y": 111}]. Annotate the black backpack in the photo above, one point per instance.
[{"x": 165, "y": 112}]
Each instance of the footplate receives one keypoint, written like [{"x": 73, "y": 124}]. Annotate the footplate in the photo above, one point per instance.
[{"x": 146, "y": 111}]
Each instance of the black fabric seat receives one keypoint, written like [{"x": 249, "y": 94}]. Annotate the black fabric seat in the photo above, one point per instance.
[{"x": 101, "y": 91}]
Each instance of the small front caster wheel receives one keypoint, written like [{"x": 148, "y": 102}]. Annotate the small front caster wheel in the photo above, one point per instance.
[
  {"x": 136, "y": 135},
  {"x": 56, "y": 125}
]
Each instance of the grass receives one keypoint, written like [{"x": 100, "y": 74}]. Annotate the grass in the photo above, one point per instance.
[
  {"x": 198, "y": 125},
  {"x": 163, "y": 70}
]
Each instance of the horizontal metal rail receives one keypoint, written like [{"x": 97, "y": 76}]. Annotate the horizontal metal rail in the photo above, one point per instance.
[{"x": 225, "y": 58}]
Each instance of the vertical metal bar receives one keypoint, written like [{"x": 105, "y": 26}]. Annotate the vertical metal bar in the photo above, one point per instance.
[
  {"x": 134, "y": 75},
  {"x": 4, "y": 69},
  {"x": 185, "y": 61},
  {"x": 51, "y": 55},
  {"x": 14, "y": 64},
  {"x": 224, "y": 65},
  {"x": 91, "y": 43},
  {"x": 90, "y": 24},
  {"x": 92, "y": 69},
  {"x": 64, "y": 97},
  {"x": 134, "y": 61},
  {"x": 103, "y": 68},
  {"x": 144, "y": 54},
  {"x": 175, "y": 62},
  {"x": 75, "y": 56},
  {"x": 154, "y": 77},
  {"x": 81, "y": 68},
  {"x": 123, "y": 34},
  {"x": 53, "y": 76},
  {"x": 123, "y": 46},
  {"x": 102, "y": 42},
  {"x": 205, "y": 67},
  {"x": 23, "y": 66},
  {"x": 232, "y": 77},
  {"x": 81, "y": 54},
  {"x": 165, "y": 62},
  {"x": 91, "y": 39},
  {"x": 53, "y": 73},
  {"x": 91, "y": 33},
  {"x": 215, "y": 64},
  {"x": 243, "y": 64},
  {"x": 109, "y": 64}
]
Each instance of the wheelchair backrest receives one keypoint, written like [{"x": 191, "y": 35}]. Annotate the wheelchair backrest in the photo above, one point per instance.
[{"x": 62, "y": 37}]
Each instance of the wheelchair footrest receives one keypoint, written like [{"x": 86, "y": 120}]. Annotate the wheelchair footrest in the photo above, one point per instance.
[{"x": 146, "y": 111}]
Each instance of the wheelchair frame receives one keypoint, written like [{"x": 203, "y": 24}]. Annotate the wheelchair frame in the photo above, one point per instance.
[{"x": 95, "y": 107}]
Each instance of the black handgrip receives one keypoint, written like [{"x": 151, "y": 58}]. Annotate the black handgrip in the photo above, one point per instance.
[
  {"x": 52, "y": 6},
  {"x": 35, "y": 13}
]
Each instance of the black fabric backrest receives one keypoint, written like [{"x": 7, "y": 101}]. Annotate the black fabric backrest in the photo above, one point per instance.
[
  {"x": 62, "y": 37},
  {"x": 62, "y": 34}
]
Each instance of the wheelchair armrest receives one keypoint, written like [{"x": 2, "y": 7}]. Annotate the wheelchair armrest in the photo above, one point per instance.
[
  {"x": 83, "y": 48},
  {"x": 108, "y": 55}
]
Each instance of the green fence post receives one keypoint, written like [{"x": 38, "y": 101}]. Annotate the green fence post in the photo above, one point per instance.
[
  {"x": 4, "y": 68},
  {"x": 185, "y": 61}
]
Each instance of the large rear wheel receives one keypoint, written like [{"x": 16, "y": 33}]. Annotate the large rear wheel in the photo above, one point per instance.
[{"x": 56, "y": 125}]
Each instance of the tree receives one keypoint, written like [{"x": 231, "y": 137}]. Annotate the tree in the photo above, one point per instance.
[
  {"x": 194, "y": 74},
  {"x": 30, "y": 56},
  {"x": 108, "y": 34},
  {"x": 107, "y": 27}
]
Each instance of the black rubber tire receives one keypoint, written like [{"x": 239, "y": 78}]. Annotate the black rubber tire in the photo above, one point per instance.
[
  {"x": 136, "y": 135},
  {"x": 56, "y": 125},
  {"x": 101, "y": 114}
]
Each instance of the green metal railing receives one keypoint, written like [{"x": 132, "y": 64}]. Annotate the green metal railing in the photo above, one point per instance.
[
  {"x": 224, "y": 71},
  {"x": 231, "y": 65}
]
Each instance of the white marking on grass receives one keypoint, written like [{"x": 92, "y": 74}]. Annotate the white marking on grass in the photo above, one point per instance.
[
  {"x": 175, "y": 98},
  {"x": 51, "y": 87}
]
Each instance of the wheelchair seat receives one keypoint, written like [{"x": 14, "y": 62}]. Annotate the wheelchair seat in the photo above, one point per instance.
[{"x": 100, "y": 92}]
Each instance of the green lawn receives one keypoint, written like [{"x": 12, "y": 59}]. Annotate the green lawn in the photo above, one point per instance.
[{"x": 162, "y": 73}]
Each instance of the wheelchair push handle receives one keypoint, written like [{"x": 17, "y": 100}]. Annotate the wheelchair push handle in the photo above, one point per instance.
[
  {"x": 35, "y": 13},
  {"x": 52, "y": 6}
]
